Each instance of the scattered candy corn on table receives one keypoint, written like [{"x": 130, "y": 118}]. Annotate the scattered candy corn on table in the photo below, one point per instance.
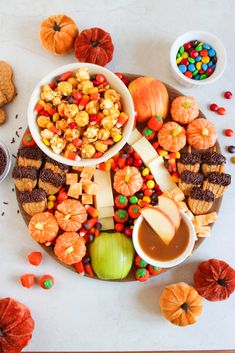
[{"x": 93, "y": 315}]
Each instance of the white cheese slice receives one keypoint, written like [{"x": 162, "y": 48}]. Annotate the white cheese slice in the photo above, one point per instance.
[
  {"x": 104, "y": 196},
  {"x": 107, "y": 223},
  {"x": 107, "y": 211},
  {"x": 161, "y": 174},
  {"x": 146, "y": 151},
  {"x": 134, "y": 137}
]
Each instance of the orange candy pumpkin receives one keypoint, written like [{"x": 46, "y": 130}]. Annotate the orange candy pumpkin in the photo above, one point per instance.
[
  {"x": 58, "y": 33},
  {"x": 43, "y": 227},
  {"x": 172, "y": 137},
  {"x": 70, "y": 215},
  {"x": 184, "y": 109},
  {"x": 70, "y": 248},
  {"x": 127, "y": 181},
  {"x": 201, "y": 134}
]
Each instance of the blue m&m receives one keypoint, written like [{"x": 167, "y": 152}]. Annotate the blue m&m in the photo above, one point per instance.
[{"x": 196, "y": 60}]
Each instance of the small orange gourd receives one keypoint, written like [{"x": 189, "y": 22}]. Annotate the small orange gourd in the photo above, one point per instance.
[
  {"x": 181, "y": 304},
  {"x": 201, "y": 134},
  {"x": 172, "y": 137},
  {"x": 127, "y": 181},
  {"x": 184, "y": 109},
  {"x": 57, "y": 34}
]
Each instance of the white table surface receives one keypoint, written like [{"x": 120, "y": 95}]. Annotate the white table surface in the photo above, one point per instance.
[{"x": 80, "y": 314}]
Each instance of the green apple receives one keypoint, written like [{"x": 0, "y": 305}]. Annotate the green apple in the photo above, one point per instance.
[{"x": 112, "y": 255}]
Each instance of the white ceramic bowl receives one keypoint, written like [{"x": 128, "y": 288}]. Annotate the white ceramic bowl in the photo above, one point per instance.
[
  {"x": 205, "y": 37},
  {"x": 8, "y": 161},
  {"x": 171, "y": 263},
  {"x": 115, "y": 83}
]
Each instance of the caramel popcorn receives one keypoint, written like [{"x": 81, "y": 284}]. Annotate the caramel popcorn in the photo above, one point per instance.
[
  {"x": 78, "y": 117},
  {"x": 64, "y": 88},
  {"x": 88, "y": 151}
]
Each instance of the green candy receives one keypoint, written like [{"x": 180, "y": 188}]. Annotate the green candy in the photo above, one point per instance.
[
  {"x": 202, "y": 77},
  {"x": 181, "y": 50},
  {"x": 178, "y": 55},
  {"x": 195, "y": 72},
  {"x": 122, "y": 199},
  {"x": 48, "y": 283},
  {"x": 198, "y": 48},
  {"x": 133, "y": 200},
  {"x": 191, "y": 60}
]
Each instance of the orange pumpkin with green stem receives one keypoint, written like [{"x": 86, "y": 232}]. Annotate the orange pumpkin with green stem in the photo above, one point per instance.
[
  {"x": 184, "y": 109},
  {"x": 127, "y": 181},
  {"x": 43, "y": 227},
  {"x": 172, "y": 137},
  {"x": 201, "y": 134},
  {"x": 70, "y": 248},
  {"x": 70, "y": 215}
]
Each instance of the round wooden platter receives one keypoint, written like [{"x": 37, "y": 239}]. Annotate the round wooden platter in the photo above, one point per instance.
[{"x": 173, "y": 93}]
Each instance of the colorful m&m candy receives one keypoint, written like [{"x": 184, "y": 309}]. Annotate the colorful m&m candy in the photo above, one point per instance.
[{"x": 196, "y": 60}]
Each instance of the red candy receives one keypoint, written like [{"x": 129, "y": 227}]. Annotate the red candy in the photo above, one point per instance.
[
  {"x": 35, "y": 258},
  {"x": 128, "y": 232},
  {"x": 228, "y": 132},
  {"x": 119, "y": 227},
  {"x": 193, "y": 53},
  {"x": 189, "y": 74},
  {"x": 187, "y": 46},
  {"x": 184, "y": 62},
  {"x": 228, "y": 95},
  {"x": 214, "y": 107},
  {"x": 221, "y": 111},
  {"x": 204, "y": 52}
]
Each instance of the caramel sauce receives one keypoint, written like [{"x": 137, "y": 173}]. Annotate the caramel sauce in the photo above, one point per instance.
[{"x": 154, "y": 247}]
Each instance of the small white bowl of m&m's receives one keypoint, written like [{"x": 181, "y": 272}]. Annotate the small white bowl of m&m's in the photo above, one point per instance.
[{"x": 197, "y": 58}]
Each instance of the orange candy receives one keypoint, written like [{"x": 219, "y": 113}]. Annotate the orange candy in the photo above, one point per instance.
[
  {"x": 35, "y": 258},
  {"x": 70, "y": 215},
  {"x": 70, "y": 248},
  {"x": 46, "y": 282},
  {"x": 43, "y": 227}
]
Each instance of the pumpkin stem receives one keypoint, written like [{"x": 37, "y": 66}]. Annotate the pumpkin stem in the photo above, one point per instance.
[
  {"x": 56, "y": 26},
  {"x": 205, "y": 132},
  {"x": 222, "y": 282},
  {"x": 95, "y": 43},
  {"x": 127, "y": 177},
  {"x": 186, "y": 104},
  {"x": 185, "y": 307},
  {"x": 176, "y": 131},
  {"x": 39, "y": 226},
  {"x": 69, "y": 250}
]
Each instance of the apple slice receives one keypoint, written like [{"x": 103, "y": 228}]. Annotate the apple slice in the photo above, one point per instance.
[
  {"x": 169, "y": 206},
  {"x": 160, "y": 222}
]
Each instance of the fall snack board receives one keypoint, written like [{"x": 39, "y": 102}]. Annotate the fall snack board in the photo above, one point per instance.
[{"x": 89, "y": 212}]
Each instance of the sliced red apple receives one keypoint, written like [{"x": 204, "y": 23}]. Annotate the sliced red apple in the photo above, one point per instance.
[
  {"x": 160, "y": 222},
  {"x": 169, "y": 206}
]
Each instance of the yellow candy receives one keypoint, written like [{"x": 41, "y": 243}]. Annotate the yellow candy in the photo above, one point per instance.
[
  {"x": 171, "y": 160},
  {"x": 163, "y": 153},
  {"x": 49, "y": 125},
  {"x": 42, "y": 103},
  {"x": 205, "y": 59},
  {"x": 201, "y": 43},
  {"x": 199, "y": 65},
  {"x": 147, "y": 199},
  {"x": 117, "y": 138},
  {"x": 174, "y": 179},
  {"x": 179, "y": 60},
  {"x": 185, "y": 55},
  {"x": 177, "y": 155},
  {"x": 50, "y": 205},
  {"x": 46, "y": 142},
  {"x": 150, "y": 184},
  {"x": 56, "y": 117},
  {"x": 51, "y": 198},
  {"x": 145, "y": 172}
]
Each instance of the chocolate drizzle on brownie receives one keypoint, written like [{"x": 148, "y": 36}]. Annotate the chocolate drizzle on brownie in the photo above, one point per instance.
[
  {"x": 219, "y": 178},
  {"x": 205, "y": 195},
  {"x": 192, "y": 178},
  {"x": 47, "y": 176},
  {"x": 213, "y": 158},
  {"x": 36, "y": 195},
  {"x": 30, "y": 152},
  {"x": 62, "y": 166},
  {"x": 24, "y": 172},
  {"x": 190, "y": 158}
]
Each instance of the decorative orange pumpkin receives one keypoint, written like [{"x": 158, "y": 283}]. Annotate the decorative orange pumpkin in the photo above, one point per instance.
[
  {"x": 70, "y": 215},
  {"x": 58, "y": 33},
  {"x": 16, "y": 326},
  {"x": 172, "y": 137},
  {"x": 201, "y": 134},
  {"x": 150, "y": 98},
  {"x": 184, "y": 109},
  {"x": 214, "y": 280},
  {"x": 43, "y": 227},
  {"x": 181, "y": 304},
  {"x": 94, "y": 46},
  {"x": 70, "y": 248},
  {"x": 127, "y": 181}
]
